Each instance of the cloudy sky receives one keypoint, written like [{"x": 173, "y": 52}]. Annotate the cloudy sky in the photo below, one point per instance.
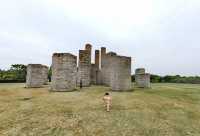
[{"x": 161, "y": 35}]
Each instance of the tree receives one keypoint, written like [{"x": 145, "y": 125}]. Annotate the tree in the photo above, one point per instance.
[
  {"x": 19, "y": 70},
  {"x": 50, "y": 74}
]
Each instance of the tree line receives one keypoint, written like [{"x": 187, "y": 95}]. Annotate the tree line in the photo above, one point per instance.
[
  {"x": 17, "y": 73},
  {"x": 173, "y": 79}
]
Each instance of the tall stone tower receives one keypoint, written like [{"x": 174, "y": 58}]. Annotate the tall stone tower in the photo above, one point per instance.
[
  {"x": 95, "y": 73},
  {"x": 97, "y": 59},
  {"x": 84, "y": 66},
  {"x": 103, "y": 65}
]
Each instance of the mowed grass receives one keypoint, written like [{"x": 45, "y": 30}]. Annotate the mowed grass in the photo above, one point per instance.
[{"x": 164, "y": 110}]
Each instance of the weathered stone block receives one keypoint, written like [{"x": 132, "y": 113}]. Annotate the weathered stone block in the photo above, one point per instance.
[
  {"x": 120, "y": 73},
  {"x": 143, "y": 80},
  {"x": 36, "y": 75},
  {"x": 64, "y": 71}
]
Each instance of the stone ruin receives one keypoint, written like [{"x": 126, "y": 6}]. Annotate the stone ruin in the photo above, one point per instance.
[
  {"x": 142, "y": 79},
  {"x": 109, "y": 69},
  {"x": 37, "y": 75}
]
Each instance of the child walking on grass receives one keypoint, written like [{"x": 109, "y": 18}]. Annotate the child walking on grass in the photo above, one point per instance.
[{"x": 107, "y": 101}]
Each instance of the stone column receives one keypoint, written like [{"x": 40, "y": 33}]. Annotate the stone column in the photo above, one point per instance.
[
  {"x": 45, "y": 74},
  {"x": 36, "y": 75},
  {"x": 84, "y": 67},
  {"x": 64, "y": 70},
  {"x": 142, "y": 79},
  {"x": 97, "y": 54}
]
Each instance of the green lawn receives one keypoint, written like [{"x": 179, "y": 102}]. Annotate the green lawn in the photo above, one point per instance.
[{"x": 164, "y": 110}]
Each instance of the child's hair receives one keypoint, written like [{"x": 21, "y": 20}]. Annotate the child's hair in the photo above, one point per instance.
[{"x": 106, "y": 93}]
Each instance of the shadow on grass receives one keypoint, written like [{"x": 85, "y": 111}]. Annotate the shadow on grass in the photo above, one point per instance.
[{"x": 25, "y": 99}]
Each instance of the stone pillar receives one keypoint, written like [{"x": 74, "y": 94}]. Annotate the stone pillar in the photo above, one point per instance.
[
  {"x": 108, "y": 67},
  {"x": 103, "y": 51},
  {"x": 88, "y": 47},
  {"x": 36, "y": 75},
  {"x": 84, "y": 67},
  {"x": 102, "y": 65},
  {"x": 103, "y": 54},
  {"x": 95, "y": 69},
  {"x": 94, "y": 74},
  {"x": 121, "y": 73},
  {"x": 45, "y": 74},
  {"x": 64, "y": 70},
  {"x": 97, "y": 53},
  {"x": 142, "y": 79}
]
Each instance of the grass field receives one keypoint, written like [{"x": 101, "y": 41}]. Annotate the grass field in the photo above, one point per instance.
[{"x": 164, "y": 110}]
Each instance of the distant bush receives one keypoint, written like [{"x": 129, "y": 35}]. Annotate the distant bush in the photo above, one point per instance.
[{"x": 12, "y": 81}]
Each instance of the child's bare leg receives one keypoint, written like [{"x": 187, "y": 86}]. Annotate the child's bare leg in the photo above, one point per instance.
[{"x": 108, "y": 107}]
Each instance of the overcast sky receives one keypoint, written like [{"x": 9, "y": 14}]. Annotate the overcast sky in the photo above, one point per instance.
[{"x": 162, "y": 36}]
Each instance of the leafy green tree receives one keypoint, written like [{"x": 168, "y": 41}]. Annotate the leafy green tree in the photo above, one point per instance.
[
  {"x": 16, "y": 73},
  {"x": 19, "y": 70},
  {"x": 156, "y": 79}
]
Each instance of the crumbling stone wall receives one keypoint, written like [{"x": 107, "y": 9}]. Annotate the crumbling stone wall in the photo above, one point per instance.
[
  {"x": 115, "y": 71},
  {"x": 106, "y": 66},
  {"x": 95, "y": 71},
  {"x": 84, "y": 67},
  {"x": 45, "y": 74},
  {"x": 64, "y": 70},
  {"x": 36, "y": 75},
  {"x": 120, "y": 73},
  {"x": 142, "y": 79},
  {"x": 94, "y": 74}
]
